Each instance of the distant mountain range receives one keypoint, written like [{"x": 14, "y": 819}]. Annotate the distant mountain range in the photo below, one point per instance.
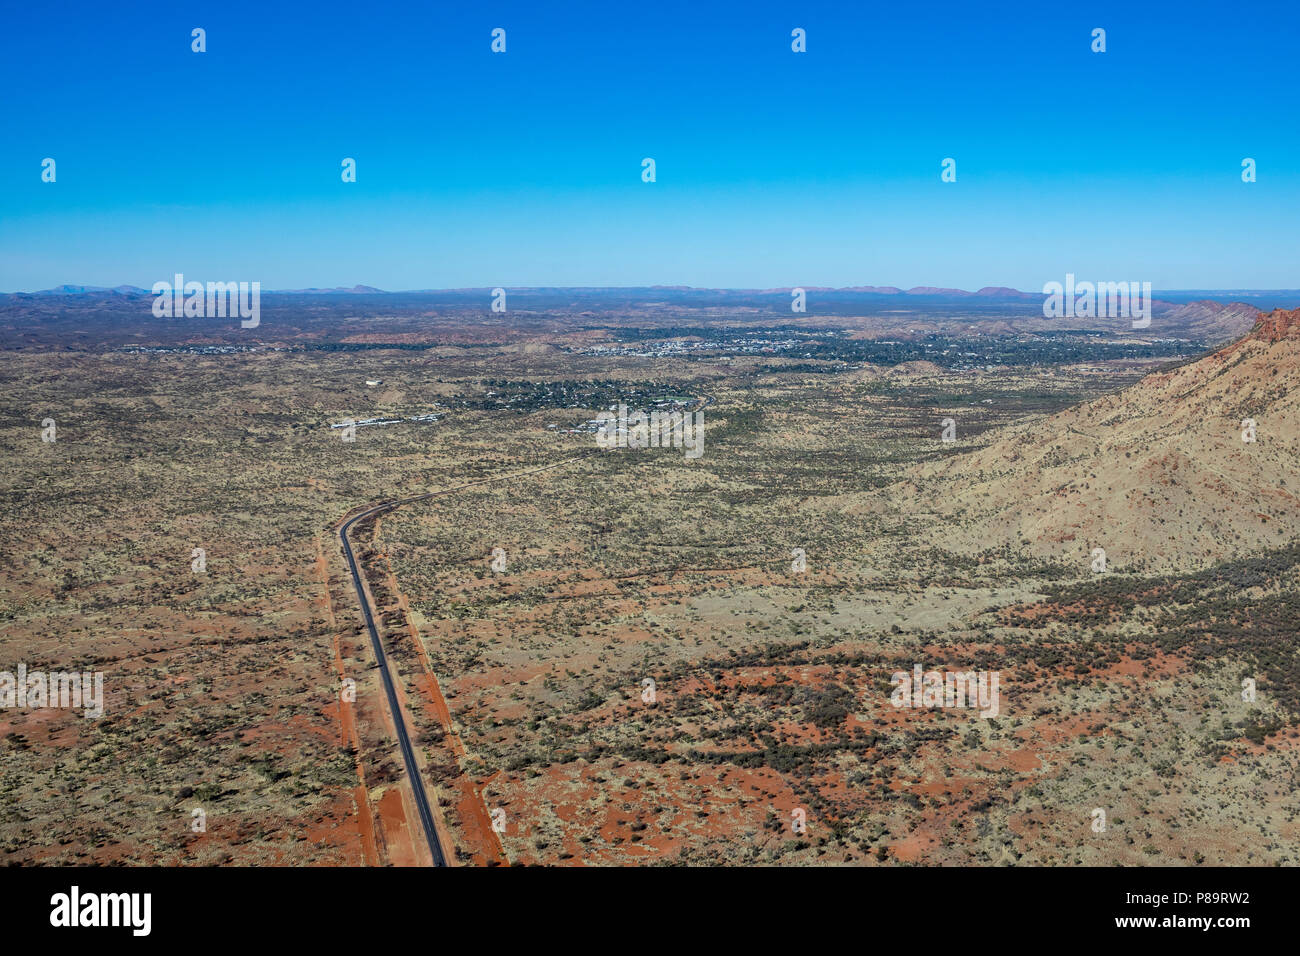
[
  {"x": 1001, "y": 292},
  {"x": 935, "y": 292},
  {"x": 84, "y": 289},
  {"x": 136, "y": 290},
  {"x": 102, "y": 315}
]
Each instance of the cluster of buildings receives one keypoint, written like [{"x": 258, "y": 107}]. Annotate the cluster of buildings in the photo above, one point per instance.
[{"x": 601, "y": 423}]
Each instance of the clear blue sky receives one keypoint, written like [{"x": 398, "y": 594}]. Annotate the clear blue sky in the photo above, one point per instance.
[{"x": 774, "y": 168}]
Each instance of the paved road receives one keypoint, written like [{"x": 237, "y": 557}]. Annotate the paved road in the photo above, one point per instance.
[{"x": 399, "y": 718}]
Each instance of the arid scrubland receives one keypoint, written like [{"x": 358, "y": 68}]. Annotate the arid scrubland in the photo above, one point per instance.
[{"x": 634, "y": 656}]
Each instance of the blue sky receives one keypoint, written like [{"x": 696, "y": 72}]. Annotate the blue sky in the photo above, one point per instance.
[{"x": 774, "y": 168}]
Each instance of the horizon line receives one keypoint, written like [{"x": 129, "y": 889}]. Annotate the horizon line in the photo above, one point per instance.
[{"x": 886, "y": 290}]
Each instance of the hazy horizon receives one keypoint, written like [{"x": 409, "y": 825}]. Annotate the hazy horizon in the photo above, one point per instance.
[{"x": 864, "y": 288}]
